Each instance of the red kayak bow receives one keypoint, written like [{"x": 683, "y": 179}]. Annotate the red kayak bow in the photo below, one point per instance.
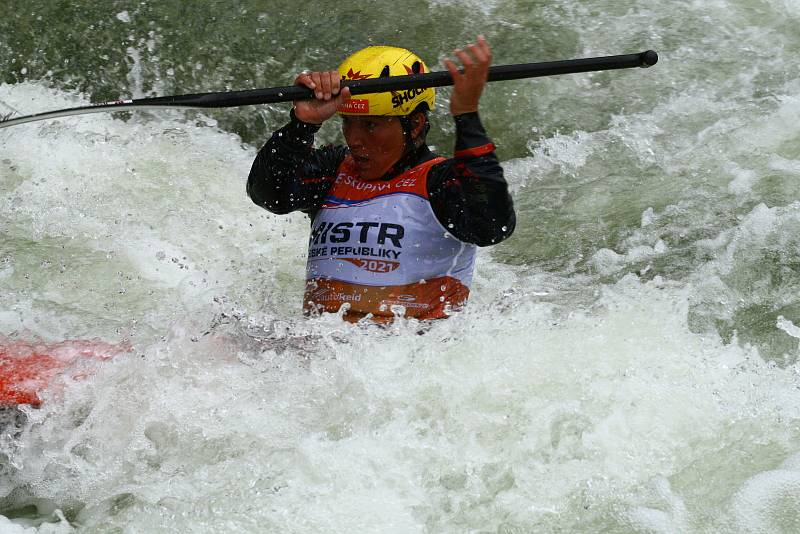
[{"x": 29, "y": 368}]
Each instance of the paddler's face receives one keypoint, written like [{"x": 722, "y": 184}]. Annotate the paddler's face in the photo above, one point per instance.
[{"x": 376, "y": 143}]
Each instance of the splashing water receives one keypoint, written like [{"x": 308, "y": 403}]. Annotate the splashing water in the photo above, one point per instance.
[{"x": 628, "y": 359}]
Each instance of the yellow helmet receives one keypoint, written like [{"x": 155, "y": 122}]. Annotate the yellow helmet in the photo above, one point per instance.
[{"x": 378, "y": 62}]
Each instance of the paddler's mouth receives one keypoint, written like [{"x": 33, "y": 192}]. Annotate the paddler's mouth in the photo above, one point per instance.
[{"x": 361, "y": 159}]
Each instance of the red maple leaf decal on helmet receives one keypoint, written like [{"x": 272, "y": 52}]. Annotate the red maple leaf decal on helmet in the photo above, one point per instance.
[{"x": 357, "y": 75}]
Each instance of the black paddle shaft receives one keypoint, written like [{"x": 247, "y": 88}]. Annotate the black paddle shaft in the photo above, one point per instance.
[
  {"x": 357, "y": 87},
  {"x": 399, "y": 83}
]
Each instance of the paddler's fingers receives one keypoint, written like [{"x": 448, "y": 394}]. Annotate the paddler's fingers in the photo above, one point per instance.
[
  {"x": 480, "y": 69},
  {"x": 465, "y": 59},
  {"x": 482, "y": 50},
  {"x": 343, "y": 96},
  {"x": 325, "y": 85},
  {"x": 453, "y": 70},
  {"x": 467, "y": 87},
  {"x": 316, "y": 78},
  {"x": 304, "y": 79},
  {"x": 336, "y": 82},
  {"x": 482, "y": 55},
  {"x": 319, "y": 109}
]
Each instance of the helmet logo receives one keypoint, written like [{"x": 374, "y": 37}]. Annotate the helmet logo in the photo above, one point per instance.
[
  {"x": 404, "y": 97},
  {"x": 357, "y": 75},
  {"x": 355, "y": 106}
]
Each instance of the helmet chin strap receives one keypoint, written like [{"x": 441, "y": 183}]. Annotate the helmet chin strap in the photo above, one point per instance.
[{"x": 412, "y": 144}]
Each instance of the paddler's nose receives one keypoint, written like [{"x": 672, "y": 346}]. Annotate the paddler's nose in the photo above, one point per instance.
[
  {"x": 354, "y": 141},
  {"x": 355, "y": 133}
]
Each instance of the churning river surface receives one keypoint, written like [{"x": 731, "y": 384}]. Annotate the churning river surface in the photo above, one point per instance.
[{"x": 627, "y": 362}]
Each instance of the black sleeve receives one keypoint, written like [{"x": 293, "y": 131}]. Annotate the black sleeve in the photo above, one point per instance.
[
  {"x": 288, "y": 174},
  {"x": 468, "y": 193}
]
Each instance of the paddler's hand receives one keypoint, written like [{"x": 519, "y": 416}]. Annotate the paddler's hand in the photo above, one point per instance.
[
  {"x": 329, "y": 96},
  {"x": 467, "y": 87}
]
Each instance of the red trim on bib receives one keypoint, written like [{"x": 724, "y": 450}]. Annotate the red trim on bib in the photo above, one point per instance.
[
  {"x": 348, "y": 186},
  {"x": 432, "y": 299}
]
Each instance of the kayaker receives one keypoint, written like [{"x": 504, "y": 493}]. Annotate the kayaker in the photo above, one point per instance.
[{"x": 394, "y": 226}]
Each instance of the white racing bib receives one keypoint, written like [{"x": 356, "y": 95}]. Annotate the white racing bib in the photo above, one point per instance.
[{"x": 378, "y": 247}]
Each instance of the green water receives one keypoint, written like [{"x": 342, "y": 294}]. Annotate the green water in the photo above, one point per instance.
[{"x": 628, "y": 362}]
